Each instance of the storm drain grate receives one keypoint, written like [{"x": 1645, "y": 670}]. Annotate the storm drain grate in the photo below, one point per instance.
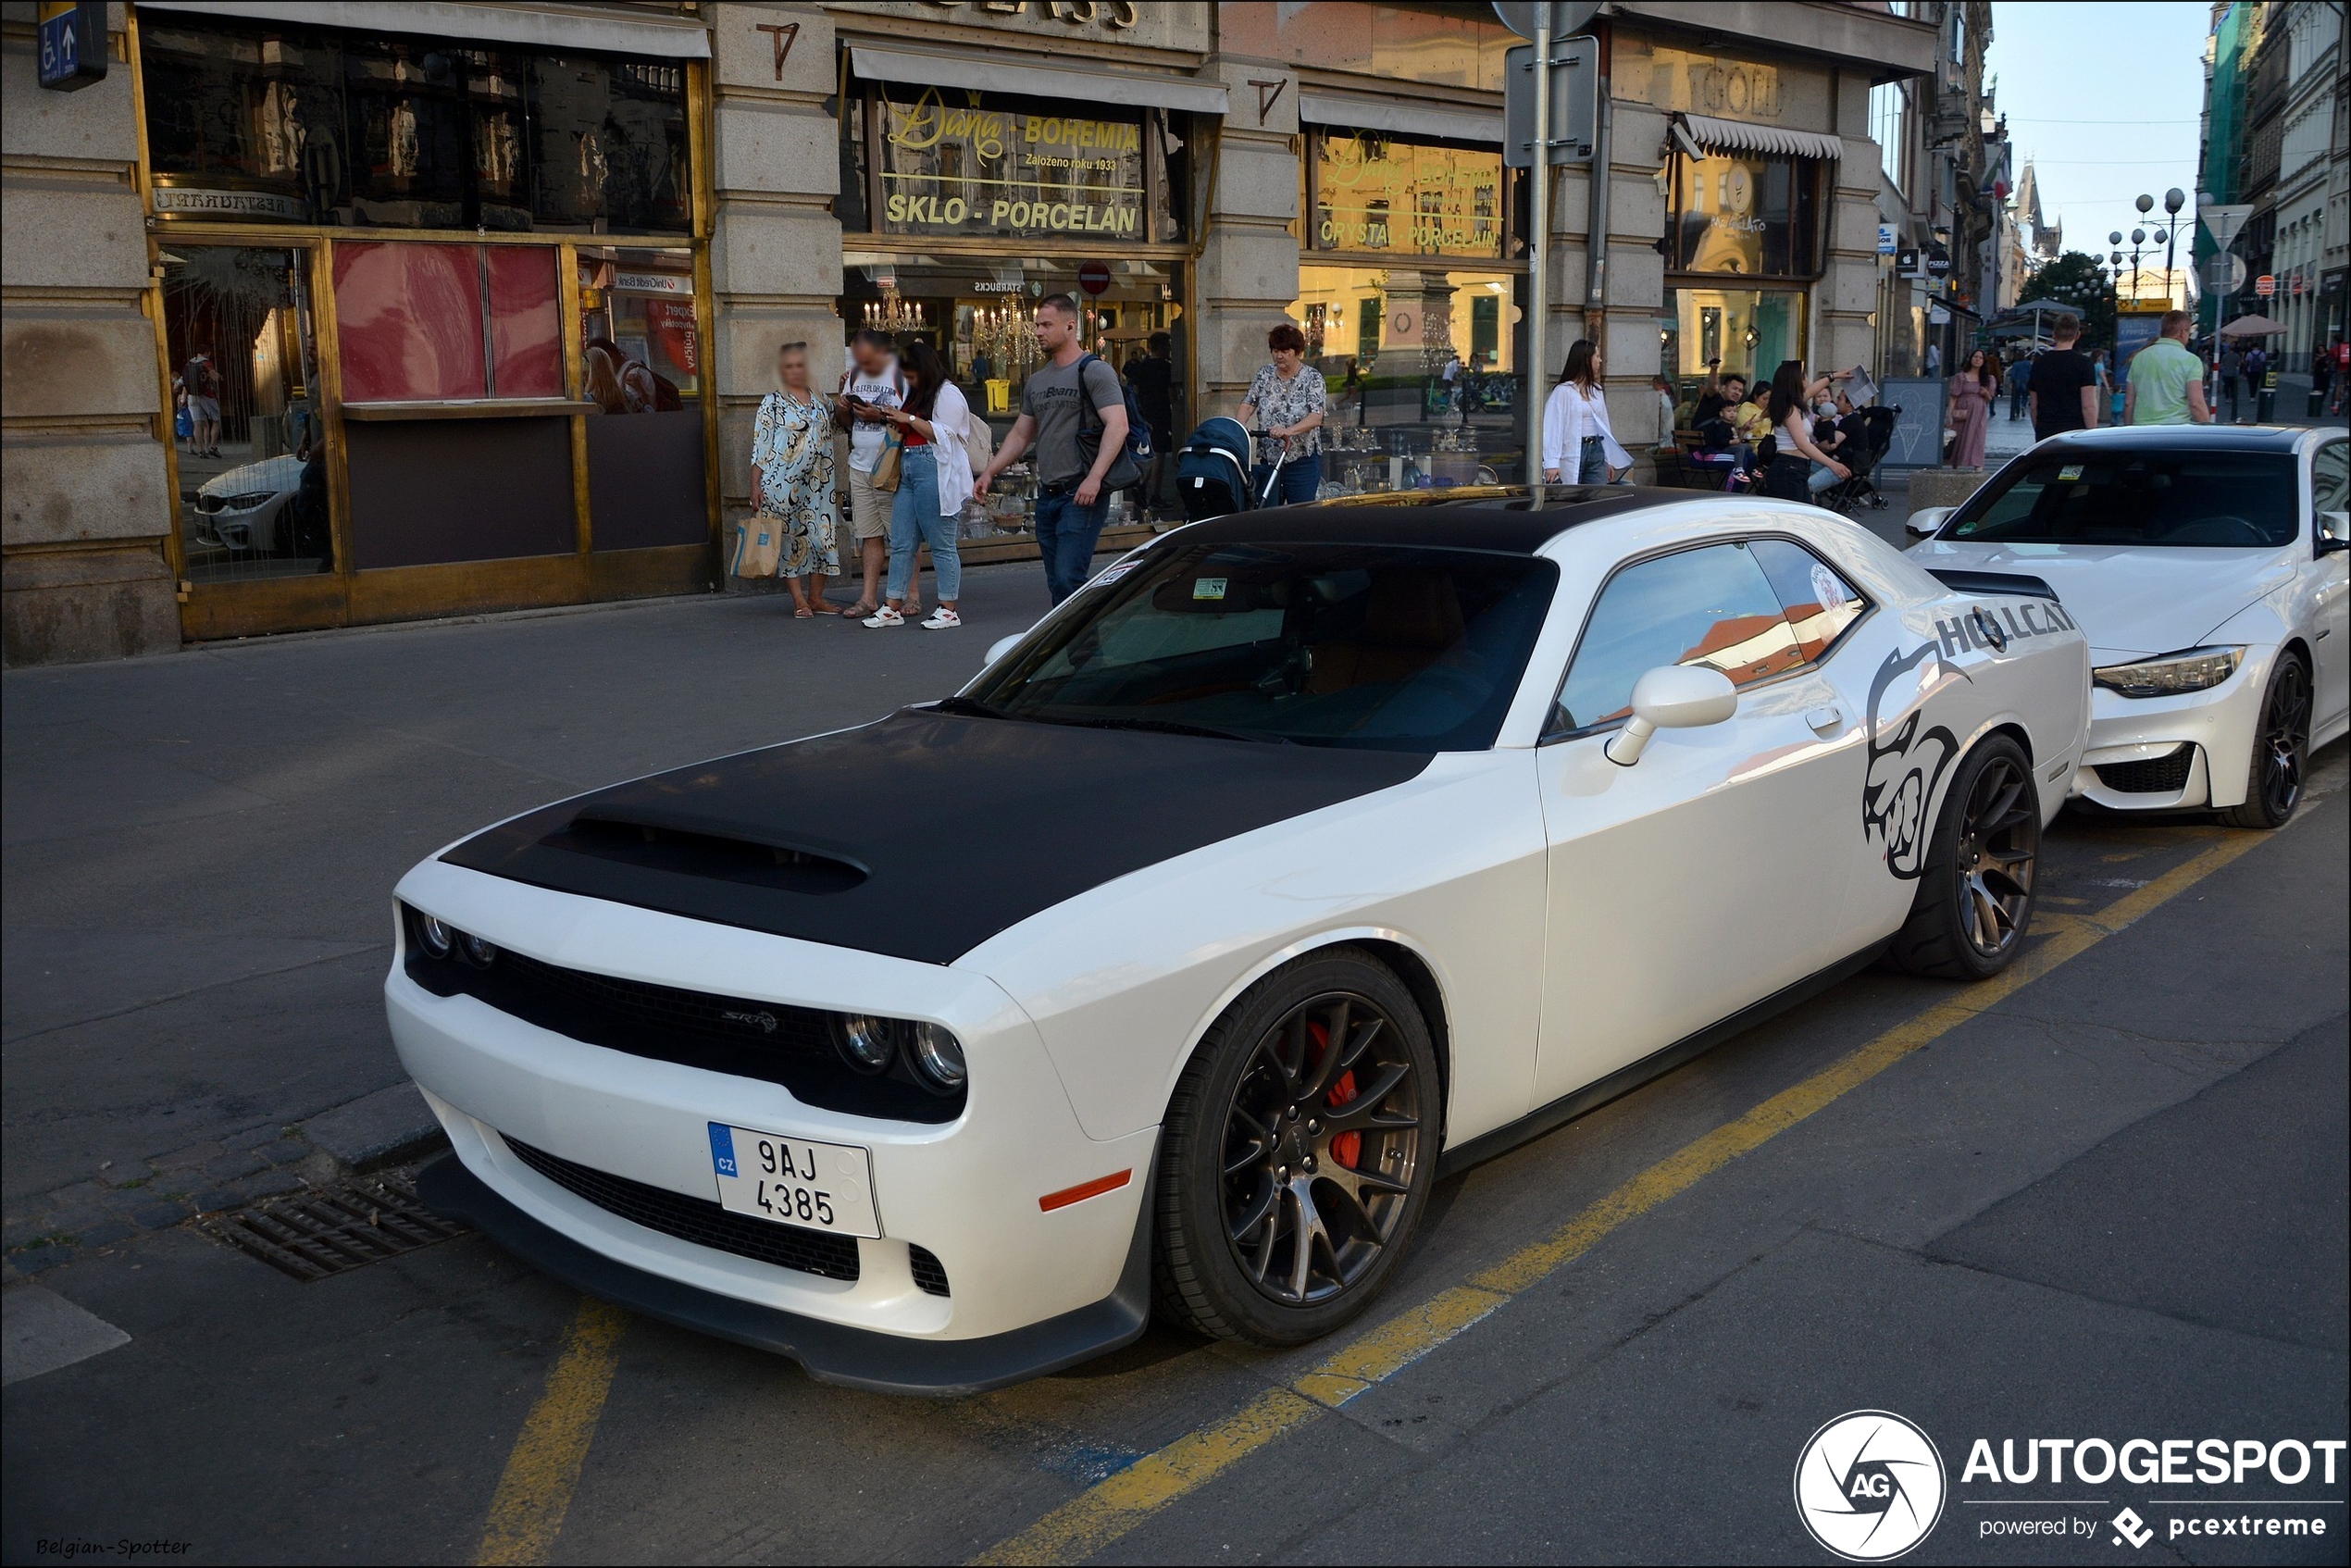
[{"x": 312, "y": 1234}]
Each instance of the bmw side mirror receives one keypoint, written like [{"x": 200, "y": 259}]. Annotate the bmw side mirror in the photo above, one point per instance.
[
  {"x": 1673, "y": 697},
  {"x": 2334, "y": 532},
  {"x": 1003, "y": 646},
  {"x": 1926, "y": 520}
]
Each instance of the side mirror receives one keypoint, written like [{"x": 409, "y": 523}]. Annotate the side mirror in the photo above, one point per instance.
[
  {"x": 2334, "y": 532},
  {"x": 1673, "y": 697},
  {"x": 1003, "y": 646},
  {"x": 1927, "y": 519}
]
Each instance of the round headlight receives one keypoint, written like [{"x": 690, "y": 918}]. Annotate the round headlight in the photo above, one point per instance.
[
  {"x": 865, "y": 1042},
  {"x": 477, "y": 951},
  {"x": 433, "y": 937},
  {"x": 939, "y": 1056}
]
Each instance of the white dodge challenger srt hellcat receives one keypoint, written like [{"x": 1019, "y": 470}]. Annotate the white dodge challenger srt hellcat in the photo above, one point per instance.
[{"x": 1304, "y": 856}]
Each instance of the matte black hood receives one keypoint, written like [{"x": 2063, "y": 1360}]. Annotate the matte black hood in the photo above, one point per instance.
[{"x": 920, "y": 836}]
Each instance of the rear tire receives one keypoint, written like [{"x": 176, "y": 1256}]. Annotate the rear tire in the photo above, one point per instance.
[
  {"x": 2281, "y": 750},
  {"x": 1975, "y": 898},
  {"x": 1300, "y": 1152}
]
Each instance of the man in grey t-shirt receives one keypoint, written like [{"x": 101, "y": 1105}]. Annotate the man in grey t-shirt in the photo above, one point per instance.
[{"x": 1070, "y": 501}]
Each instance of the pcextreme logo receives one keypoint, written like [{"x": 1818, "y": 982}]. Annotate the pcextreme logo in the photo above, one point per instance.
[{"x": 1870, "y": 1486}]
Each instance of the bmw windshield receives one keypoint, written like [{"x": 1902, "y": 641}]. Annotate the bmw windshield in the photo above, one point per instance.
[
  {"x": 1383, "y": 646},
  {"x": 2133, "y": 497}
]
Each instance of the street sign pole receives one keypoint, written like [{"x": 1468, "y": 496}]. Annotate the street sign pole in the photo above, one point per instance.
[{"x": 1538, "y": 254}]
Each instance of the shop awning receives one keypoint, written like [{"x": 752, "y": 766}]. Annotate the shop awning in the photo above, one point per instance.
[
  {"x": 549, "y": 27},
  {"x": 1737, "y": 136},
  {"x": 1404, "y": 118},
  {"x": 1037, "y": 82}
]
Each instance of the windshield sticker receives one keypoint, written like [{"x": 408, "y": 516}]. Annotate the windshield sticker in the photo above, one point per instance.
[
  {"x": 2069, "y": 473},
  {"x": 1207, "y": 587},
  {"x": 1120, "y": 571}
]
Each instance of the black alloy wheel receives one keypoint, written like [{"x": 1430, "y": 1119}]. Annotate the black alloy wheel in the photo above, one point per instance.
[
  {"x": 1321, "y": 1138},
  {"x": 1299, "y": 1149},
  {"x": 1974, "y": 899},
  {"x": 2281, "y": 750},
  {"x": 1999, "y": 848}
]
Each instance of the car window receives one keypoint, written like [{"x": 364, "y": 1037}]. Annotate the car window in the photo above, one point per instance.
[
  {"x": 1819, "y": 604},
  {"x": 2133, "y": 497},
  {"x": 1396, "y": 647},
  {"x": 1712, "y": 607},
  {"x": 2331, "y": 478}
]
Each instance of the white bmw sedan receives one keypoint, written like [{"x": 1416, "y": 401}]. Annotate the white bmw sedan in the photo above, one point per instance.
[
  {"x": 2208, "y": 567},
  {"x": 1304, "y": 855}
]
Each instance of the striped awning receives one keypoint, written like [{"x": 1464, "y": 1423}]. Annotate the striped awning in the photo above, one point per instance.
[{"x": 1738, "y": 136}]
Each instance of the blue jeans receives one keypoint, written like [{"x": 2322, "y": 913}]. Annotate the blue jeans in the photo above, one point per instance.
[
  {"x": 914, "y": 520},
  {"x": 1067, "y": 534},
  {"x": 1301, "y": 481}
]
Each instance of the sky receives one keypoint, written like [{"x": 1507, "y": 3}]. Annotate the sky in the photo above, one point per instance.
[{"x": 2104, "y": 100}]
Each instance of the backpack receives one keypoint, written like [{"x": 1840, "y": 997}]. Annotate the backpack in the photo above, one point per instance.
[{"x": 1139, "y": 434}]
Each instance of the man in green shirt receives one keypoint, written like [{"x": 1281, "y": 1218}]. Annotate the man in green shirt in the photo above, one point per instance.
[{"x": 2167, "y": 381}]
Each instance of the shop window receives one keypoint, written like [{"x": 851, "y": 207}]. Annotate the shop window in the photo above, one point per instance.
[
  {"x": 641, "y": 357},
  {"x": 1746, "y": 331},
  {"x": 1754, "y": 213},
  {"x": 240, "y": 332},
  {"x": 433, "y": 322},
  {"x": 990, "y": 165},
  {"x": 319, "y": 125},
  {"x": 1371, "y": 193}
]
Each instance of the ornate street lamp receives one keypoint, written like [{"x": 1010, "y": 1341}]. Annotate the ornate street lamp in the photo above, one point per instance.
[{"x": 2173, "y": 200}]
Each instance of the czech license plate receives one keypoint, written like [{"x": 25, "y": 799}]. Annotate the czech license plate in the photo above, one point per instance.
[{"x": 793, "y": 1180}]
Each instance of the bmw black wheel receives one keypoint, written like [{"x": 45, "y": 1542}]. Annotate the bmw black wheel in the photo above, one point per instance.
[
  {"x": 1300, "y": 1152},
  {"x": 2281, "y": 750},
  {"x": 1975, "y": 898}
]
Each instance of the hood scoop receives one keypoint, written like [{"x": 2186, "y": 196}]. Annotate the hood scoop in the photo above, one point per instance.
[{"x": 657, "y": 838}]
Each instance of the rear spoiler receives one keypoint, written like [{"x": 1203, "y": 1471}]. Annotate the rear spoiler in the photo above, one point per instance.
[{"x": 1993, "y": 582}]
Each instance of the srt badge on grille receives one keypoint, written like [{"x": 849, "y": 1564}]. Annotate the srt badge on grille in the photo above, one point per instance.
[{"x": 765, "y": 1021}]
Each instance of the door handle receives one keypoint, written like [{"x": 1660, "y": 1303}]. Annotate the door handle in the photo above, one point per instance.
[{"x": 1826, "y": 720}]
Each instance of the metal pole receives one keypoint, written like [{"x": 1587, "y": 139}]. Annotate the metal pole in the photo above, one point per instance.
[
  {"x": 1540, "y": 245},
  {"x": 1595, "y": 234}
]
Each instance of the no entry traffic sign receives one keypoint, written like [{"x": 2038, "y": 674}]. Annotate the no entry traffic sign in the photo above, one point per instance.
[{"x": 1094, "y": 276}]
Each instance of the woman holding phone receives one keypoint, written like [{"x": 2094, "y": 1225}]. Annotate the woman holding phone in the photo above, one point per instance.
[{"x": 934, "y": 480}]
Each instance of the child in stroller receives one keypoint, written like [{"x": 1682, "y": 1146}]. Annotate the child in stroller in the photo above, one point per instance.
[{"x": 1866, "y": 434}]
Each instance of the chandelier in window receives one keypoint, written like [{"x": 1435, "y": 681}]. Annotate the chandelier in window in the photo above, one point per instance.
[{"x": 893, "y": 314}]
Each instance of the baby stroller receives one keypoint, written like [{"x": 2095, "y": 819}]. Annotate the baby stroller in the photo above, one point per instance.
[
  {"x": 1867, "y": 447},
  {"x": 1212, "y": 472}
]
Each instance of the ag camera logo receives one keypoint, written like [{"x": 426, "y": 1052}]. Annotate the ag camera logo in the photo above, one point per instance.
[{"x": 1870, "y": 1486}]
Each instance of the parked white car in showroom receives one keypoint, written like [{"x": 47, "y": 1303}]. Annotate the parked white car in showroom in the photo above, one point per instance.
[
  {"x": 2208, "y": 567},
  {"x": 1304, "y": 854}
]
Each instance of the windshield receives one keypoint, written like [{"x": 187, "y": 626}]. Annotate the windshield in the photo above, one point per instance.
[
  {"x": 2207, "y": 499},
  {"x": 1380, "y": 646}
]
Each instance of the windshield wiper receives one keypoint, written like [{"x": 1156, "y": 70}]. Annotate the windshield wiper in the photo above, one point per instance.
[
  {"x": 1174, "y": 726},
  {"x": 969, "y": 707}
]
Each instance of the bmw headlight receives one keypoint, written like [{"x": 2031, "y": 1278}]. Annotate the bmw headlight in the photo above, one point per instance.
[
  {"x": 939, "y": 1057},
  {"x": 2198, "y": 669}
]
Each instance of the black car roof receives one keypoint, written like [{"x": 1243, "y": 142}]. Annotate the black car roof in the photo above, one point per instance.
[
  {"x": 1510, "y": 518},
  {"x": 2171, "y": 438}
]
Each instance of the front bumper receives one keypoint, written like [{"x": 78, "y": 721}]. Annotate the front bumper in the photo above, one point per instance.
[
  {"x": 966, "y": 1191},
  {"x": 831, "y": 1352},
  {"x": 2132, "y": 738}
]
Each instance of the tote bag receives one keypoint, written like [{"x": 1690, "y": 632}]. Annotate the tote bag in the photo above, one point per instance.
[
  {"x": 758, "y": 546},
  {"x": 886, "y": 467}
]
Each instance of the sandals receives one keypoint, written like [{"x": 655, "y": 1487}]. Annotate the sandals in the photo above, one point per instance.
[
  {"x": 942, "y": 619},
  {"x": 885, "y": 616},
  {"x": 858, "y": 612}
]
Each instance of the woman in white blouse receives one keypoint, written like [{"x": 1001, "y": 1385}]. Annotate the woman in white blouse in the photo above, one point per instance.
[
  {"x": 935, "y": 480},
  {"x": 1577, "y": 443}
]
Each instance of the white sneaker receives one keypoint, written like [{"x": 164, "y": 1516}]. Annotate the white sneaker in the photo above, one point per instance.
[
  {"x": 885, "y": 616},
  {"x": 942, "y": 619}
]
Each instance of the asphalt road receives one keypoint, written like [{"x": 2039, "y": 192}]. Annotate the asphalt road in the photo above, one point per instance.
[{"x": 2104, "y": 1200}]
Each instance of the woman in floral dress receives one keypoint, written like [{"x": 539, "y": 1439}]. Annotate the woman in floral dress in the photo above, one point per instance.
[{"x": 791, "y": 466}]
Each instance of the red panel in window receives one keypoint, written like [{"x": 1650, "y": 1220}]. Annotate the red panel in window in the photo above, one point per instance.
[
  {"x": 409, "y": 321},
  {"x": 525, "y": 336}
]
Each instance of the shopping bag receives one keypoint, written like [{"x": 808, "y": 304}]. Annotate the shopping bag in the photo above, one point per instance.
[
  {"x": 758, "y": 546},
  {"x": 886, "y": 467}
]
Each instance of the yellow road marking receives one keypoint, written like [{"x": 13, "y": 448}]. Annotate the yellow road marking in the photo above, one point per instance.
[
  {"x": 1113, "y": 1507},
  {"x": 527, "y": 1513}
]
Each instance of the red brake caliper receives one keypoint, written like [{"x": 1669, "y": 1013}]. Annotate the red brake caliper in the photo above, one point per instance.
[{"x": 1347, "y": 1147}]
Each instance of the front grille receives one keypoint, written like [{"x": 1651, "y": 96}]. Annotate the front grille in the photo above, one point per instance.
[
  {"x": 772, "y": 1041},
  {"x": 2165, "y": 775},
  {"x": 929, "y": 1273},
  {"x": 700, "y": 1220}
]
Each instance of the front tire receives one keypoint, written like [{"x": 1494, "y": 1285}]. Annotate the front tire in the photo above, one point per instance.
[
  {"x": 1299, "y": 1151},
  {"x": 2281, "y": 750},
  {"x": 1976, "y": 897}
]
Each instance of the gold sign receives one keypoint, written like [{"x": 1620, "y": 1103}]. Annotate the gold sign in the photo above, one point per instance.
[
  {"x": 1115, "y": 15},
  {"x": 976, "y": 169},
  {"x": 1672, "y": 79},
  {"x": 1373, "y": 195}
]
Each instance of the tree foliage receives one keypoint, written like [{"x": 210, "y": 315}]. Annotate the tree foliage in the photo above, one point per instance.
[{"x": 2074, "y": 278}]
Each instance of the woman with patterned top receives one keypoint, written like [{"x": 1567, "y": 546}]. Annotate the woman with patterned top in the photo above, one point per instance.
[
  {"x": 791, "y": 480},
  {"x": 1288, "y": 395}
]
